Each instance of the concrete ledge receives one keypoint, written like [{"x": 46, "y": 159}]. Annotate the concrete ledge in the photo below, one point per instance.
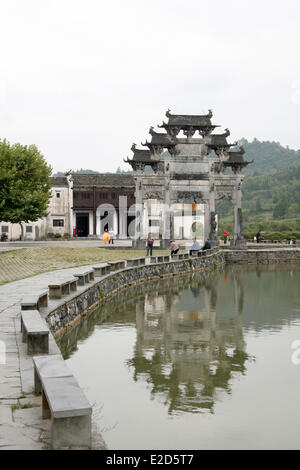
[{"x": 35, "y": 301}]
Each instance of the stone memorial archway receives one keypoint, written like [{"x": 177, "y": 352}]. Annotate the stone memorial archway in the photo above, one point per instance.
[{"x": 190, "y": 172}]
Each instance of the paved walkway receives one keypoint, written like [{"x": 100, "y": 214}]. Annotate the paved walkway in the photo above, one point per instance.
[{"x": 21, "y": 426}]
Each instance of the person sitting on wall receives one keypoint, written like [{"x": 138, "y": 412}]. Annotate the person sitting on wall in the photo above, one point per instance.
[
  {"x": 207, "y": 245},
  {"x": 150, "y": 242},
  {"x": 174, "y": 248},
  {"x": 195, "y": 246}
]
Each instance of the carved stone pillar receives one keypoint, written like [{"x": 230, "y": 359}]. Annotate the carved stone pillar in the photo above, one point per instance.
[
  {"x": 206, "y": 221},
  {"x": 138, "y": 242},
  {"x": 213, "y": 236},
  {"x": 168, "y": 221},
  {"x": 238, "y": 238},
  {"x": 123, "y": 217}
]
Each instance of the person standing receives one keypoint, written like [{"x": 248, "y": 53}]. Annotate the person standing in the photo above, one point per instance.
[
  {"x": 150, "y": 242},
  {"x": 225, "y": 236},
  {"x": 105, "y": 236},
  {"x": 258, "y": 237},
  {"x": 111, "y": 234}
]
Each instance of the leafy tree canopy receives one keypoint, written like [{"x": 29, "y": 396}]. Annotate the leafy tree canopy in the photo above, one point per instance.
[{"x": 24, "y": 183}]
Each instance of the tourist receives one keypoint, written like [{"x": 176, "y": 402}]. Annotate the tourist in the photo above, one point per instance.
[
  {"x": 207, "y": 245},
  {"x": 174, "y": 248},
  {"x": 106, "y": 236},
  {"x": 225, "y": 236},
  {"x": 150, "y": 242},
  {"x": 111, "y": 234},
  {"x": 195, "y": 246},
  {"x": 258, "y": 237}
]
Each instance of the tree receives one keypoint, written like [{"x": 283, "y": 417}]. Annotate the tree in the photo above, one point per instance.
[
  {"x": 258, "y": 208},
  {"x": 280, "y": 209},
  {"x": 24, "y": 184}
]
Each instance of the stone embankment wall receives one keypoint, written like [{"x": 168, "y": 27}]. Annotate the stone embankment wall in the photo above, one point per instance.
[
  {"x": 72, "y": 310},
  {"x": 262, "y": 256}
]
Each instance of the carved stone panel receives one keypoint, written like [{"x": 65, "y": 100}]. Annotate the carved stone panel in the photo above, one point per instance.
[
  {"x": 188, "y": 197},
  {"x": 153, "y": 194}
]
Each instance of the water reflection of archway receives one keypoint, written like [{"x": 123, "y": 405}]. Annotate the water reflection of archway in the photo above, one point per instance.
[{"x": 188, "y": 356}]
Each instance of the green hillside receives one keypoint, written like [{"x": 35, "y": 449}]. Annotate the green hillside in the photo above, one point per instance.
[
  {"x": 271, "y": 202},
  {"x": 271, "y": 191},
  {"x": 268, "y": 156}
]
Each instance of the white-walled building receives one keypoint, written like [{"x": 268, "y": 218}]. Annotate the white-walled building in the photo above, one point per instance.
[{"x": 89, "y": 203}]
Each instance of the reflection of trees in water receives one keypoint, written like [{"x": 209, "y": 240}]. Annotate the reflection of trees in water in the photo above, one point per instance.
[{"x": 187, "y": 356}]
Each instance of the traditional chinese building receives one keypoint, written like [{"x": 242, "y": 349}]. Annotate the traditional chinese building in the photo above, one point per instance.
[{"x": 102, "y": 201}]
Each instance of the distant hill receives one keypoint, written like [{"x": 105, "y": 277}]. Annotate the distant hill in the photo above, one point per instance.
[
  {"x": 268, "y": 156},
  {"x": 270, "y": 196},
  {"x": 89, "y": 172}
]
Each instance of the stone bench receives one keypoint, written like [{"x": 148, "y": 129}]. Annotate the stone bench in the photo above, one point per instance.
[
  {"x": 64, "y": 402},
  {"x": 201, "y": 253},
  {"x": 163, "y": 258},
  {"x": 194, "y": 253},
  {"x": 62, "y": 287},
  {"x": 101, "y": 269},
  {"x": 35, "y": 301},
  {"x": 35, "y": 332},
  {"x": 117, "y": 265},
  {"x": 136, "y": 262},
  {"x": 84, "y": 277}
]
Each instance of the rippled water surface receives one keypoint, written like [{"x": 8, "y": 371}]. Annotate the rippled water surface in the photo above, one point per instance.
[{"x": 194, "y": 363}]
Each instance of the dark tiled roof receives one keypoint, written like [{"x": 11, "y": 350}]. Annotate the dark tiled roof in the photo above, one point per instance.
[
  {"x": 237, "y": 158},
  {"x": 189, "y": 119},
  {"x": 141, "y": 155},
  {"x": 112, "y": 180},
  {"x": 159, "y": 138},
  {"x": 219, "y": 140},
  {"x": 60, "y": 181}
]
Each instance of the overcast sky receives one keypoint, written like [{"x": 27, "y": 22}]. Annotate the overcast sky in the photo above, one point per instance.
[{"x": 84, "y": 79}]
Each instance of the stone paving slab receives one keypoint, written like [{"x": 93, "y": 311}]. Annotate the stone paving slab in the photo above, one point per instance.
[
  {"x": 5, "y": 414},
  {"x": 20, "y": 437}
]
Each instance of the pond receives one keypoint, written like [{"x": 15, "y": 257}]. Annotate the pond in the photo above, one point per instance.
[{"x": 195, "y": 362}]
